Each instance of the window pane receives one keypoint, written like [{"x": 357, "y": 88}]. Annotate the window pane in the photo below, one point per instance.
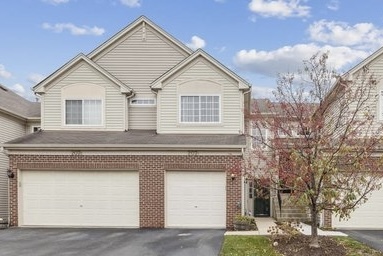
[
  {"x": 92, "y": 112},
  {"x": 73, "y": 112},
  {"x": 189, "y": 108}
]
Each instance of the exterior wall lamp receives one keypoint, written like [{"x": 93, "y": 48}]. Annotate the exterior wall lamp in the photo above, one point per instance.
[
  {"x": 10, "y": 174},
  {"x": 232, "y": 176}
]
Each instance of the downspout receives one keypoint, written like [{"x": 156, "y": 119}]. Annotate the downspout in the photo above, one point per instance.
[
  {"x": 244, "y": 209},
  {"x": 126, "y": 125},
  {"x": 157, "y": 108},
  {"x": 8, "y": 189}
]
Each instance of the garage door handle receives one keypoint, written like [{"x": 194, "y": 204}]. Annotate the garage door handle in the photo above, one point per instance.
[
  {"x": 80, "y": 205},
  {"x": 195, "y": 206}
]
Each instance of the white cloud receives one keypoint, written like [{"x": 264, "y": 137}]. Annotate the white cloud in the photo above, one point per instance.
[
  {"x": 73, "y": 29},
  {"x": 289, "y": 58},
  {"x": 220, "y": 1},
  {"x": 279, "y": 8},
  {"x": 131, "y": 3},
  {"x": 362, "y": 35},
  {"x": 4, "y": 73},
  {"x": 196, "y": 42},
  {"x": 19, "y": 89},
  {"x": 35, "y": 78},
  {"x": 333, "y": 5},
  {"x": 56, "y": 2},
  {"x": 262, "y": 92}
]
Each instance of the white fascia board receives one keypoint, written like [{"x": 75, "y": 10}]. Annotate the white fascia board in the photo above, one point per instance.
[{"x": 97, "y": 147}]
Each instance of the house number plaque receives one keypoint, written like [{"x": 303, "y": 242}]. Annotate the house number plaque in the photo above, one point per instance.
[
  {"x": 193, "y": 153},
  {"x": 76, "y": 153}
]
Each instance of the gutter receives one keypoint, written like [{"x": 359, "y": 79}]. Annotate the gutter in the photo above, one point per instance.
[
  {"x": 100, "y": 147},
  {"x": 11, "y": 113}
]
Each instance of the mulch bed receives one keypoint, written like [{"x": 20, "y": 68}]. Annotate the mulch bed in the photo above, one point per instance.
[{"x": 299, "y": 245}]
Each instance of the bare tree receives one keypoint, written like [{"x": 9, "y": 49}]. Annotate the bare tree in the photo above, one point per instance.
[{"x": 324, "y": 139}]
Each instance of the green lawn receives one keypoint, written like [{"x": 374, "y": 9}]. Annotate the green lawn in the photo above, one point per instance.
[
  {"x": 261, "y": 245},
  {"x": 247, "y": 245}
]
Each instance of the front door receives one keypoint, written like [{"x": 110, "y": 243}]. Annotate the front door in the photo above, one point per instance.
[{"x": 262, "y": 202}]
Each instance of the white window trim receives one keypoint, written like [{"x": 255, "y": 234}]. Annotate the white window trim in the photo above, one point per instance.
[
  {"x": 82, "y": 125},
  {"x": 199, "y": 95},
  {"x": 143, "y": 105}
]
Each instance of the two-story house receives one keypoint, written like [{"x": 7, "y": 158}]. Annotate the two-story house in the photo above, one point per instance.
[
  {"x": 366, "y": 215},
  {"x": 141, "y": 132},
  {"x": 261, "y": 201},
  {"x": 369, "y": 214},
  {"x": 18, "y": 117}
]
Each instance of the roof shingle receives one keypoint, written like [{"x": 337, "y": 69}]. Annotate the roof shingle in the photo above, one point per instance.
[
  {"x": 11, "y": 102},
  {"x": 131, "y": 138}
]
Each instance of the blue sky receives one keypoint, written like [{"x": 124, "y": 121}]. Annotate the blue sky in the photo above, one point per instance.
[{"x": 255, "y": 38}]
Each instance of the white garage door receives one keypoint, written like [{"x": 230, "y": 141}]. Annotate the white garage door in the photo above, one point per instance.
[
  {"x": 367, "y": 216},
  {"x": 79, "y": 198},
  {"x": 196, "y": 199}
]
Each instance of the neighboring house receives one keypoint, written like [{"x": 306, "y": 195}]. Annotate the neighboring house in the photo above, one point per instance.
[
  {"x": 369, "y": 214},
  {"x": 262, "y": 202},
  {"x": 17, "y": 118},
  {"x": 141, "y": 132},
  {"x": 365, "y": 216}
]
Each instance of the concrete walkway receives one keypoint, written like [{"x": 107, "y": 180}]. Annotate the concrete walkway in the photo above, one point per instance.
[
  {"x": 264, "y": 225},
  {"x": 306, "y": 230}
]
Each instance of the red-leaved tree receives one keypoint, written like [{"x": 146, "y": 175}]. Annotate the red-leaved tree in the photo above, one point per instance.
[{"x": 323, "y": 139}]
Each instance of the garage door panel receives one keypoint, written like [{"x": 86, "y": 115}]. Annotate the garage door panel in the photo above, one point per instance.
[
  {"x": 79, "y": 198},
  {"x": 196, "y": 199},
  {"x": 366, "y": 216}
]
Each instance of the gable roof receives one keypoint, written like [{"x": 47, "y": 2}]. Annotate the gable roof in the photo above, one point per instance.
[
  {"x": 364, "y": 62},
  {"x": 242, "y": 84},
  {"x": 15, "y": 105},
  {"x": 40, "y": 87},
  {"x": 360, "y": 65},
  {"x": 130, "y": 27}
]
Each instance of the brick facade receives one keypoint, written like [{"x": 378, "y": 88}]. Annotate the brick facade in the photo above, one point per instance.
[
  {"x": 327, "y": 223},
  {"x": 151, "y": 169}
]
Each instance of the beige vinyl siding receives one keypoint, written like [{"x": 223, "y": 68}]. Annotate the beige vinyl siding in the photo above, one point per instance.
[
  {"x": 113, "y": 103},
  {"x": 137, "y": 62},
  {"x": 230, "y": 98},
  {"x": 11, "y": 128},
  {"x": 376, "y": 103},
  {"x": 142, "y": 118}
]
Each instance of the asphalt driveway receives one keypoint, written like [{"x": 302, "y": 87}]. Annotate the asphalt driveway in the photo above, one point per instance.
[
  {"x": 373, "y": 238},
  {"x": 108, "y": 242}
]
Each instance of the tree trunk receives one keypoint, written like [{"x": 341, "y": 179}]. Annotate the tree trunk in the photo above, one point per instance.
[{"x": 314, "y": 243}]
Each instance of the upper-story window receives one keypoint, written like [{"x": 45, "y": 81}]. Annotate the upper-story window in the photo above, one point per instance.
[
  {"x": 143, "y": 102},
  {"x": 260, "y": 137},
  {"x": 36, "y": 128},
  {"x": 83, "y": 112},
  {"x": 200, "y": 109}
]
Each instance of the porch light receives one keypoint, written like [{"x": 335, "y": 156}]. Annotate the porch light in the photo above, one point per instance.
[{"x": 10, "y": 174}]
